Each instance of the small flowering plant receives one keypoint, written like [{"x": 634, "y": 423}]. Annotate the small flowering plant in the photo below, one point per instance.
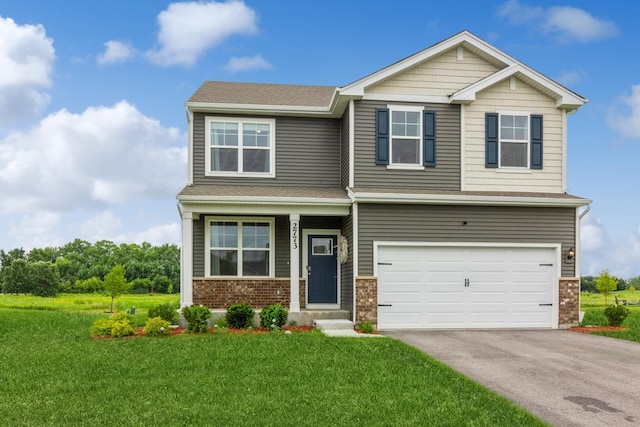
[{"x": 273, "y": 317}]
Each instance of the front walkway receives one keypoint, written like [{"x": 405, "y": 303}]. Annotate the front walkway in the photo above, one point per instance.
[{"x": 565, "y": 378}]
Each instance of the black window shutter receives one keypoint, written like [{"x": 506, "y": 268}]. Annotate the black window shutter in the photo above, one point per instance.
[
  {"x": 536, "y": 142},
  {"x": 382, "y": 136},
  {"x": 429, "y": 138},
  {"x": 491, "y": 140}
]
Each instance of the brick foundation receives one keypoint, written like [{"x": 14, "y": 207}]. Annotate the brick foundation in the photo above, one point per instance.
[
  {"x": 222, "y": 293},
  {"x": 367, "y": 299},
  {"x": 569, "y": 302}
]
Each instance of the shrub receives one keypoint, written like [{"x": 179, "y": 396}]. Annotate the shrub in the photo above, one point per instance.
[
  {"x": 240, "y": 316},
  {"x": 118, "y": 325},
  {"x": 121, "y": 328},
  {"x": 616, "y": 314},
  {"x": 166, "y": 312},
  {"x": 366, "y": 327},
  {"x": 273, "y": 316},
  {"x": 219, "y": 322},
  {"x": 632, "y": 288},
  {"x": 156, "y": 327},
  {"x": 196, "y": 317}
]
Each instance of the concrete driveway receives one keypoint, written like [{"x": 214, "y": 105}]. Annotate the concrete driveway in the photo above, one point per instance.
[{"x": 565, "y": 378}]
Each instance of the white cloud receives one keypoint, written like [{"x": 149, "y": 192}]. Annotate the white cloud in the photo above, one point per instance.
[
  {"x": 624, "y": 115},
  {"x": 565, "y": 23},
  {"x": 189, "y": 29},
  {"x": 247, "y": 63},
  {"x": 101, "y": 226},
  {"x": 116, "y": 52},
  {"x": 103, "y": 155},
  {"x": 156, "y": 235},
  {"x": 568, "y": 78},
  {"x": 26, "y": 63}
]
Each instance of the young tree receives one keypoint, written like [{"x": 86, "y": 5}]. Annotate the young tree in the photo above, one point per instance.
[
  {"x": 115, "y": 283},
  {"x": 606, "y": 284}
]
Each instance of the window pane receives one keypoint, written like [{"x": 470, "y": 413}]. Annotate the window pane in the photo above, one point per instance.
[
  {"x": 413, "y": 117},
  {"x": 255, "y": 263},
  {"x": 224, "y": 234},
  {"x": 224, "y": 263},
  {"x": 322, "y": 246},
  {"x": 255, "y": 134},
  {"x": 255, "y": 235},
  {"x": 514, "y": 128},
  {"x": 413, "y": 130},
  {"x": 224, "y": 160},
  {"x": 255, "y": 161},
  {"x": 405, "y": 123},
  {"x": 405, "y": 151},
  {"x": 506, "y": 121},
  {"x": 224, "y": 133},
  {"x": 513, "y": 154}
]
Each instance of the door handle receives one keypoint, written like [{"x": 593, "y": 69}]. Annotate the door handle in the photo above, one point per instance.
[
  {"x": 384, "y": 305},
  {"x": 547, "y": 304}
]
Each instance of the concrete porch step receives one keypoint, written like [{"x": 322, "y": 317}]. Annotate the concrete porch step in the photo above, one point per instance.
[{"x": 333, "y": 324}]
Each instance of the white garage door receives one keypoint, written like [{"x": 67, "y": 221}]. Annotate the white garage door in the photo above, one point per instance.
[{"x": 466, "y": 287}]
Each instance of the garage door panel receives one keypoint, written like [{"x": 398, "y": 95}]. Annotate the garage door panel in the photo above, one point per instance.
[{"x": 465, "y": 287}]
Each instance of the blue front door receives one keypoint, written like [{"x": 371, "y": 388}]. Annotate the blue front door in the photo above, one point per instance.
[{"x": 322, "y": 271}]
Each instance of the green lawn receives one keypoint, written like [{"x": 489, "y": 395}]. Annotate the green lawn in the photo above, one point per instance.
[
  {"x": 594, "y": 304},
  {"x": 53, "y": 373},
  {"x": 87, "y": 302}
]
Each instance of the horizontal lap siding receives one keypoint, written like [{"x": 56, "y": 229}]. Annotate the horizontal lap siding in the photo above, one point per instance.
[
  {"x": 420, "y": 223},
  {"x": 307, "y": 154},
  {"x": 344, "y": 150},
  {"x": 444, "y": 176}
]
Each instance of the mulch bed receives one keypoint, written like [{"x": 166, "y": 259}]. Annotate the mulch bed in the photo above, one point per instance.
[
  {"x": 178, "y": 331},
  {"x": 590, "y": 329}
]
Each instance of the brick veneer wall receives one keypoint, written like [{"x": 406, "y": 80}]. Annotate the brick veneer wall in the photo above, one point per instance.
[
  {"x": 569, "y": 301},
  {"x": 222, "y": 293},
  {"x": 367, "y": 299}
]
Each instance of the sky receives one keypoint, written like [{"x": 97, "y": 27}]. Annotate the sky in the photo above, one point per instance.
[{"x": 93, "y": 131}]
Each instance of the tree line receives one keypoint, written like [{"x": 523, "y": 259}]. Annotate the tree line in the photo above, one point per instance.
[
  {"x": 80, "y": 267},
  {"x": 588, "y": 283}
]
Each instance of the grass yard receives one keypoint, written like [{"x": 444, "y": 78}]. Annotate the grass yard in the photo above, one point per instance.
[
  {"x": 54, "y": 373},
  {"x": 594, "y": 304}
]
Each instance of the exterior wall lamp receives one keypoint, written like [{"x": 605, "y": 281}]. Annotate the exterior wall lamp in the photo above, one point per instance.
[{"x": 571, "y": 253}]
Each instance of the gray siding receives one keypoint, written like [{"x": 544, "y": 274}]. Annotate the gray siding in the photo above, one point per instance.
[
  {"x": 344, "y": 150},
  {"x": 444, "y": 176},
  {"x": 198, "y": 247},
  {"x": 420, "y": 223},
  {"x": 282, "y": 247},
  {"x": 346, "y": 269},
  {"x": 307, "y": 154}
]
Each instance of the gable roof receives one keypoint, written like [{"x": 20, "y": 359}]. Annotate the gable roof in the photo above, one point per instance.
[
  {"x": 303, "y": 100},
  {"x": 508, "y": 66}
]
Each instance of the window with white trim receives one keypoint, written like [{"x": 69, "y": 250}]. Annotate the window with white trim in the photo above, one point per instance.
[
  {"x": 406, "y": 140},
  {"x": 240, "y": 147},
  {"x": 239, "y": 247},
  {"x": 514, "y": 140}
]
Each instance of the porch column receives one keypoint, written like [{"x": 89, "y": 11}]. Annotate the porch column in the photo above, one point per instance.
[
  {"x": 294, "y": 262},
  {"x": 186, "y": 260}
]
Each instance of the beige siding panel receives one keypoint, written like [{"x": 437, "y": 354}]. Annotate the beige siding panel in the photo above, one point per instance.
[
  {"x": 444, "y": 176},
  {"x": 307, "y": 154},
  {"x": 438, "y": 76},
  {"x": 420, "y": 223},
  {"x": 525, "y": 99}
]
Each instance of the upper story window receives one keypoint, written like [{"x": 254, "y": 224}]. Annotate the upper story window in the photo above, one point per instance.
[
  {"x": 514, "y": 140},
  {"x": 240, "y": 147},
  {"x": 406, "y": 128},
  {"x": 405, "y": 137}
]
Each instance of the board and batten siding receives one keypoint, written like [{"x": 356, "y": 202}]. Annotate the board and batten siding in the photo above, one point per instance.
[
  {"x": 307, "y": 154},
  {"x": 528, "y": 100},
  {"x": 428, "y": 223},
  {"x": 441, "y": 75},
  {"x": 444, "y": 176}
]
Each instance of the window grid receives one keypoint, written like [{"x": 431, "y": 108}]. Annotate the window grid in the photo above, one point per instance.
[
  {"x": 514, "y": 140},
  {"x": 406, "y": 146},
  {"x": 240, "y": 248}
]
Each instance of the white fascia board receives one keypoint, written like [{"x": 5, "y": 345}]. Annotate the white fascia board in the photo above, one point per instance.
[
  {"x": 357, "y": 88},
  {"x": 266, "y": 209},
  {"x": 264, "y": 200},
  {"x": 422, "y": 99},
  {"x": 565, "y": 98},
  {"x": 260, "y": 109},
  {"x": 465, "y": 199}
]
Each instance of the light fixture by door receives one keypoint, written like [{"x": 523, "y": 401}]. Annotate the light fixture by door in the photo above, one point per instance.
[{"x": 571, "y": 253}]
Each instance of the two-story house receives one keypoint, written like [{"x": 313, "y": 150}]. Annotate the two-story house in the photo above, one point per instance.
[{"x": 428, "y": 194}]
